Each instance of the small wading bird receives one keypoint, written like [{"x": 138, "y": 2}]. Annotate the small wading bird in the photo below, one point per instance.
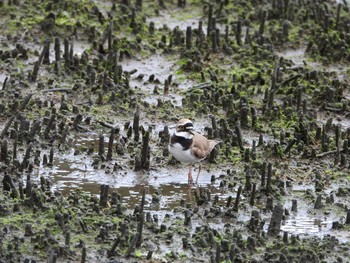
[{"x": 188, "y": 146}]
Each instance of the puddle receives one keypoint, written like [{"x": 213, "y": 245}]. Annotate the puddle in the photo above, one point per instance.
[
  {"x": 249, "y": 136},
  {"x": 175, "y": 99},
  {"x": 78, "y": 48},
  {"x": 337, "y": 119},
  {"x": 160, "y": 67},
  {"x": 171, "y": 22},
  {"x": 342, "y": 2},
  {"x": 3, "y": 76},
  {"x": 71, "y": 171},
  {"x": 305, "y": 225},
  {"x": 302, "y": 224},
  {"x": 156, "y": 65},
  {"x": 297, "y": 56},
  {"x": 181, "y": 18}
]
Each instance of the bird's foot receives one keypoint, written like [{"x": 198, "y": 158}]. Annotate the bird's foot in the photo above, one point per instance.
[
  {"x": 190, "y": 179},
  {"x": 192, "y": 183},
  {"x": 199, "y": 171}
]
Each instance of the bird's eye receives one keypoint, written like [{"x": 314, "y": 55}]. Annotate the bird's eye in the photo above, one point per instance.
[{"x": 182, "y": 128}]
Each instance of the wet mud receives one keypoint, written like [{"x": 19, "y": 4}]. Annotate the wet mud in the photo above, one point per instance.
[{"x": 91, "y": 91}]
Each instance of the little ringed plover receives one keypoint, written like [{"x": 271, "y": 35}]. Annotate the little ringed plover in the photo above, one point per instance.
[{"x": 188, "y": 146}]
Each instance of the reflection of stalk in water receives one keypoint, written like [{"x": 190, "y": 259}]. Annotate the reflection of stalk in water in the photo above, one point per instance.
[{"x": 85, "y": 170}]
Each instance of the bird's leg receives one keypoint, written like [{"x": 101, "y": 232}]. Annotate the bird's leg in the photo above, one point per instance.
[
  {"x": 190, "y": 179},
  {"x": 199, "y": 170}
]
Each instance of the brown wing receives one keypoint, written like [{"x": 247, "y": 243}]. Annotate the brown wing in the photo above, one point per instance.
[{"x": 201, "y": 147}]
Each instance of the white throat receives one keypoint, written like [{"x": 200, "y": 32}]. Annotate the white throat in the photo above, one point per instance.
[{"x": 184, "y": 134}]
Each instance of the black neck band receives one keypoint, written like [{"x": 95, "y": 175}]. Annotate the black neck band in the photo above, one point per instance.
[{"x": 186, "y": 143}]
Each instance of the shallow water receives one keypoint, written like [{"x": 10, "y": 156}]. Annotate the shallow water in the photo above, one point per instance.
[
  {"x": 3, "y": 76},
  {"x": 71, "y": 171},
  {"x": 160, "y": 67},
  {"x": 307, "y": 221},
  {"x": 299, "y": 58},
  {"x": 337, "y": 120},
  {"x": 181, "y": 18},
  {"x": 169, "y": 183}
]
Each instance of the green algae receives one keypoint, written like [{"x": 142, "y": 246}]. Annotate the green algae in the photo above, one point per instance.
[{"x": 63, "y": 19}]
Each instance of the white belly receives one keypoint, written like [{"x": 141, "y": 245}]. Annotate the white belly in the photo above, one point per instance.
[{"x": 179, "y": 154}]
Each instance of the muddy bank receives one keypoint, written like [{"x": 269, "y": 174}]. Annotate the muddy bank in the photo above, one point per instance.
[{"x": 90, "y": 90}]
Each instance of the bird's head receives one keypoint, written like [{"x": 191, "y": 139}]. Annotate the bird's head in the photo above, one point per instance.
[{"x": 184, "y": 125}]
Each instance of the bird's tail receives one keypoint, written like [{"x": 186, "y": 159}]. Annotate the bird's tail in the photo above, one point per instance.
[{"x": 213, "y": 143}]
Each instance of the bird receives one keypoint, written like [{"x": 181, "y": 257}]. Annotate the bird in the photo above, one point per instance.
[{"x": 189, "y": 147}]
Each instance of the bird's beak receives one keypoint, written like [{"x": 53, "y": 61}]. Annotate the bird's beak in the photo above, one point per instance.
[{"x": 190, "y": 131}]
